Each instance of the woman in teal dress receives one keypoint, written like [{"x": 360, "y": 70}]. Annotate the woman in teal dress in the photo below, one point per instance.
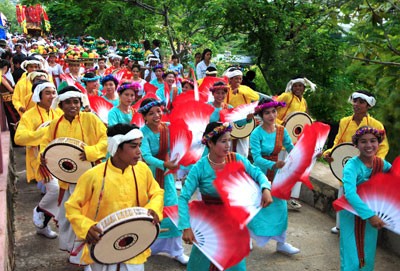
[
  {"x": 123, "y": 113},
  {"x": 361, "y": 229},
  {"x": 174, "y": 90},
  {"x": 155, "y": 151},
  {"x": 159, "y": 72},
  {"x": 266, "y": 142},
  {"x": 110, "y": 84},
  {"x": 203, "y": 173}
]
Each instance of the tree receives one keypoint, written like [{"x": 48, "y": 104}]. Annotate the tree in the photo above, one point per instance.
[{"x": 8, "y": 10}]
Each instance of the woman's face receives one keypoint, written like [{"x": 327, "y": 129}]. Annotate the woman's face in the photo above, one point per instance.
[
  {"x": 298, "y": 89},
  {"x": 368, "y": 145},
  {"x": 207, "y": 56},
  {"x": 170, "y": 79},
  {"x": 219, "y": 95},
  {"x": 360, "y": 106},
  {"x": 136, "y": 73},
  {"x": 269, "y": 115},
  {"x": 187, "y": 87},
  {"x": 222, "y": 147},
  {"x": 159, "y": 73},
  {"x": 153, "y": 117},
  {"x": 127, "y": 97},
  {"x": 109, "y": 87}
]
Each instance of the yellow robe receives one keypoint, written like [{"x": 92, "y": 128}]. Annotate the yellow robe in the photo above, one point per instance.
[
  {"x": 245, "y": 96},
  {"x": 293, "y": 104},
  {"x": 29, "y": 135},
  {"x": 348, "y": 127},
  {"x": 21, "y": 90},
  {"x": 119, "y": 193},
  {"x": 86, "y": 127}
]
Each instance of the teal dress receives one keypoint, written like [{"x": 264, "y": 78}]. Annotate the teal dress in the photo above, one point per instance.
[
  {"x": 355, "y": 173},
  {"x": 115, "y": 102},
  {"x": 273, "y": 220},
  {"x": 202, "y": 176},
  {"x": 115, "y": 116},
  {"x": 150, "y": 147},
  {"x": 162, "y": 95},
  {"x": 155, "y": 82}
]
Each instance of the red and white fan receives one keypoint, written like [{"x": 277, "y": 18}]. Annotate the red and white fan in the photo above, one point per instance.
[
  {"x": 180, "y": 139},
  {"x": 238, "y": 113},
  {"x": 208, "y": 82},
  {"x": 217, "y": 234},
  {"x": 239, "y": 192},
  {"x": 298, "y": 160},
  {"x": 149, "y": 88},
  {"x": 322, "y": 131},
  {"x": 197, "y": 116},
  {"x": 71, "y": 82},
  {"x": 100, "y": 106},
  {"x": 187, "y": 96},
  {"x": 382, "y": 195}
]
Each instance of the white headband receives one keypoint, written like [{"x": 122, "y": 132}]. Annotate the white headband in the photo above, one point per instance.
[
  {"x": 233, "y": 73},
  {"x": 34, "y": 74},
  {"x": 65, "y": 96},
  {"x": 115, "y": 141},
  {"x": 369, "y": 99},
  {"x": 304, "y": 81},
  {"x": 31, "y": 62},
  {"x": 39, "y": 89}
]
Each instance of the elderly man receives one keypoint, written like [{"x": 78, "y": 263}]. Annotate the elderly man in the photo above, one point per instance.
[{"x": 239, "y": 94}]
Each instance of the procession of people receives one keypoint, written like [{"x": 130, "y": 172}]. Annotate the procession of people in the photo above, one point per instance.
[{"x": 107, "y": 140}]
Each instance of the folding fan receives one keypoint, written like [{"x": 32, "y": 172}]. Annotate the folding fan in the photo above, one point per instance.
[
  {"x": 240, "y": 193},
  {"x": 217, "y": 235},
  {"x": 100, "y": 106},
  {"x": 382, "y": 195},
  {"x": 238, "y": 113}
]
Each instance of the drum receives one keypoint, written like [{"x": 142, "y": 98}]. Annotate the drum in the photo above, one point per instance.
[
  {"x": 126, "y": 234},
  {"x": 243, "y": 131},
  {"x": 341, "y": 154},
  {"x": 63, "y": 161},
  {"x": 294, "y": 124}
]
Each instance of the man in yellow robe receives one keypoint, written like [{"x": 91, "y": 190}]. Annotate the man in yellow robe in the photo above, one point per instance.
[
  {"x": 29, "y": 133},
  {"x": 123, "y": 181},
  {"x": 86, "y": 127}
]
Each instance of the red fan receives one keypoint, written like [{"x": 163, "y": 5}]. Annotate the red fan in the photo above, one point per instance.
[
  {"x": 137, "y": 119},
  {"x": 209, "y": 81},
  {"x": 100, "y": 106},
  {"x": 238, "y": 113},
  {"x": 322, "y": 132},
  {"x": 180, "y": 139},
  {"x": 298, "y": 160},
  {"x": 149, "y": 88},
  {"x": 240, "y": 193},
  {"x": 71, "y": 82},
  {"x": 382, "y": 195},
  {"x": 188, "y": 96},
  {"x": 197, "y": 116},
  {"x": 217, "y": 235}
]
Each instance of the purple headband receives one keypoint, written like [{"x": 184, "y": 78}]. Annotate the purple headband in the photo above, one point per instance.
[
  {"x": 134, "y": 86},
  {"x": 222, "y": 129},
  {"x": 380, "y": 134},
  {"x": 147, "y": 107},
  {"x": 261, "y": 107}
]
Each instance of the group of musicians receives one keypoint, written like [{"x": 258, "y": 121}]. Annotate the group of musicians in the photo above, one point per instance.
[{"x": 133, "y": 173}]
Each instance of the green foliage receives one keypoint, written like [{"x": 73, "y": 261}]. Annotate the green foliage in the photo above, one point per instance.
[{"x": 8, "y": 10}]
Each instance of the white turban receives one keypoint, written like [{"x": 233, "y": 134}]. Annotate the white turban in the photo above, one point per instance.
[
  {"x": 304, "y": 81},
  {"x": 39, "y": 88},
  {"x": 115, "y": 141},
  {"x": 65, "y": 96},
  {"x": 31, "y": 62},
  {"x": 369, "y": 99},
  {"x": 232, "y": 72}
]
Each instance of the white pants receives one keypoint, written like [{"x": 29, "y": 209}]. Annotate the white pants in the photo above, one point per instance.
[
  {"x": 172, "y": 246},
  {"x": 261, "y": 241},
  {"x": 49, "y": 201},
  {"x": 113, "y": 267},
  {"x": 242, "y": 146},
  {"x": 340, "y": 193},
  {"x": 66, "y": 235}
]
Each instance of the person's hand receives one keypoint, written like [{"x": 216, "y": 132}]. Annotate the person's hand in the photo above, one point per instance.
[
  {"x": 376, "y": 222},
  {"x": 279, "y": 164},
  {"x": 156, "y": 219},
  {"x": 82, "y": 156},
  {"x": 327, "y": 157},
  {"x": 188, "y": 236},
  {"x": 235, "y": 91},
  {"x": 250, "y": 117},
  {"x": 21, "y": 109},
  {"x": 266, "y": 198},
  {"x": 93, "y": 235},
  {"x": 87, "y": 109},
  {"x": 170, "y": 165}
]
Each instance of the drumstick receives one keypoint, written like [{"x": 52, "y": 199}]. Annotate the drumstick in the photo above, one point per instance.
[{"x": 164, "y": 230}]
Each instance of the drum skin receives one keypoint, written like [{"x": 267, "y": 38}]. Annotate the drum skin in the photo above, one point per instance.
[
  {"x": 341, "y": 154},
  {"x": 126, "y": 234},
  {"x": 239, "y": 132},
  {"x": 294, "y": 124},
  {"x": 63, "y": 161}
]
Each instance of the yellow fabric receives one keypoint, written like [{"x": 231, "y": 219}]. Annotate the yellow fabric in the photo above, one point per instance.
[
  {"x": 293, "y": 104},
  {"x": 119, "y": 193},
  {"x": 239, "y": 98},
  {"x": 21, "y": 90},
  {"x": 29, "y": 135},
  {"x": 94, "y": 135},
  {"x": 345, "y": 134},
  {"x": 200, "y": 81}
]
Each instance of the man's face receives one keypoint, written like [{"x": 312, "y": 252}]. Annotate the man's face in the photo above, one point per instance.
[{"x": 130, "y": 152}]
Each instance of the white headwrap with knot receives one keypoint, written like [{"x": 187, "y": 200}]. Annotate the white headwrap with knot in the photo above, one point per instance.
[
  {"x": 39, "y": 88},
  {"x": 65, "y": 96},
  {"x": 32, "y": 75},
  {"x": 115, "y": 141},
  {"x": 232, "y": 72},
  {"x": 31, "y": 62},
  {"x": 369, "y": 99},
  {"x": 304, "y": 81}
]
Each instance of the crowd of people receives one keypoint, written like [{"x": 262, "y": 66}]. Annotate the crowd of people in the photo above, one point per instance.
[{"x": 48, "y": 88}]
